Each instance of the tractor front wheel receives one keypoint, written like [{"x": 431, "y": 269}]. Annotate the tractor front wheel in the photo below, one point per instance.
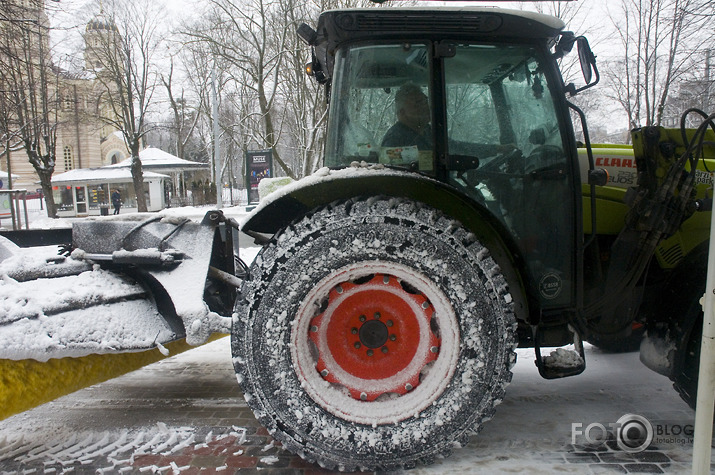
[{"x": 374, "y": 334}]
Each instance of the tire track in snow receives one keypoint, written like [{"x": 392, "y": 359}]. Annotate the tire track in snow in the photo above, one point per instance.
[{"x": 114, "y": 451}]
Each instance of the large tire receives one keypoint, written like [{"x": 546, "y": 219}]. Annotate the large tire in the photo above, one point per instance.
[
  {"x": 681, "y": 309},
  {"x": 687, "y": 355},
  {"x": 374, "y": 334}
]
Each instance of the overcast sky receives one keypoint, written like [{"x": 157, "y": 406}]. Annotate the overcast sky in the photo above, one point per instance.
[{"x": 71, "y": 16}]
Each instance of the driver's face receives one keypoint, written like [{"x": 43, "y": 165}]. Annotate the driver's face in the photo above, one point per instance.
[{"x": 415, "y": 112}]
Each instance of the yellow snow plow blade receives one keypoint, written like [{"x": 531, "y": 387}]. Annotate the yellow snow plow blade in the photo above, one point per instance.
[{"x": 25, "y": 384}]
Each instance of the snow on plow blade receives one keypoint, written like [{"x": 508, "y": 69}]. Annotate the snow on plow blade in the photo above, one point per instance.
[{"x": 129, "y": 286}]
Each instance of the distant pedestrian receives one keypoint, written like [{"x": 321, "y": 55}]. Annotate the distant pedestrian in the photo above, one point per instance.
[{"x": 116, "y": 201}]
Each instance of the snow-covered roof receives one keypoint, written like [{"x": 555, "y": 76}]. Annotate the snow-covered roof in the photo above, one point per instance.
[
  {"x": 3, "y": 175},
  {"x": 152, "y": 157},
  {"x": 101, "y": 175}
]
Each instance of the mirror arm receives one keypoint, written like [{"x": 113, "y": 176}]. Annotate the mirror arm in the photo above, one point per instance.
[{"x": 571, "y": 89}]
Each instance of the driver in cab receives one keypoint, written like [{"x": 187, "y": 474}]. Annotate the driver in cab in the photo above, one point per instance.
[
  {"x": 413, "y": 117},
  {"x": 412, "y": 128}
]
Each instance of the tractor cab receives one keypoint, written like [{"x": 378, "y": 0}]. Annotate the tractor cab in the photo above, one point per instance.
[{"x": 473, "y": 98}]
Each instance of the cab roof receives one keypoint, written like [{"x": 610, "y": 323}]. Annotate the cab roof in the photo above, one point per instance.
[{"x": 456, "y": 22}]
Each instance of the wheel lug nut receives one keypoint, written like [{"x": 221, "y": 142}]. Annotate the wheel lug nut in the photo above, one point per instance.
[
  {"x": 425, "y": 304},
  {"x": 389, "y": 323},
  {"x": 357, "y": 345},
  {"x": 363, "y": 397},
  {"x": 434, "y": 349},
  {"x": 339, "y": 289},
  {"x": 377, "y": 315},
  {"x": 393, "y": 337},
  {"x": 324, "y": 373},
  {"x": 384, "y": 349},
  {"x": 385, "y": 279},
  {"x": 362, "y": 318},
  {"x": 370, "y": 352},
  {"x": 313, "y": 328},
  {"x": 354, "y": 331},
  {"x": 408, "y": 387}
]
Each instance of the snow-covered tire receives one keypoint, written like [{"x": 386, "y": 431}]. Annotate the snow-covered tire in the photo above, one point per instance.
[{"x": 374, "y": 334}]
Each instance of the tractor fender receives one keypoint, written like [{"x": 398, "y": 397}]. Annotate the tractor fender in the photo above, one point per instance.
[{"x": 292, "y": 202}]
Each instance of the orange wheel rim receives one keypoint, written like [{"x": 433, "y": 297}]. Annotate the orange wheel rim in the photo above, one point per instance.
[{"x": 371, "y": 337}]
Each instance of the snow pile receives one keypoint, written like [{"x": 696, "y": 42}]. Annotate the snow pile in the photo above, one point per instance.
[
  {"x": 31, "y": 331},
  {"x": 563, "y": 358},
  {"x": 31, "y": 263},
  {"x": 42, "y": 297}
]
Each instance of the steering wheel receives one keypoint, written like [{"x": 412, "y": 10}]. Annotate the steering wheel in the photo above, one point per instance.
[
  {"x": 544, "y": 156},
  {"x": 502, "y": 163},
  {"x": 501, "y": 167}
]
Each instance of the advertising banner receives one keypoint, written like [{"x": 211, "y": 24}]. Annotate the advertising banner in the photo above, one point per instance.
[{"x": 259, "y": 165}]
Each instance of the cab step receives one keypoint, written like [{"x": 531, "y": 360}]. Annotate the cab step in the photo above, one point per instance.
[{"x": 561, "y": 362}]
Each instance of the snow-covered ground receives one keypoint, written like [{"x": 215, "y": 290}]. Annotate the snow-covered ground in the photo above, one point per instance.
[
  {"x": 162, "y": 418},
  {"x": 38, "y": 219}
]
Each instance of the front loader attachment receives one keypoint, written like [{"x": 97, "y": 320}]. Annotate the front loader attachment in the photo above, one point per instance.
[
  {"x": 124, "y": 286},
  {"x": 186, "y": 266}
]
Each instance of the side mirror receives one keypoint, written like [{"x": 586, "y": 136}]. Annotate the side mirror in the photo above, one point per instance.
[
  {"x": 588, "y": 66},
  {"x": 586, "y": 58}
]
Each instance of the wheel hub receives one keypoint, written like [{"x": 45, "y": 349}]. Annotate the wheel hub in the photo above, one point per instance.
[
  {"x": 373, "y": 333},
  {"x": 374, "y": 337}
]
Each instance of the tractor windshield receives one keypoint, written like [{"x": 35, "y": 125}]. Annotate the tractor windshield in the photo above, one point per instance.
[{"x": 480, "y": 117}]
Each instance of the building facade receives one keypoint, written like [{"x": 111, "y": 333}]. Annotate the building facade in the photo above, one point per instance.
[
  {"x": 83, "y": 140},
  {"x": 88, "y": 191}
]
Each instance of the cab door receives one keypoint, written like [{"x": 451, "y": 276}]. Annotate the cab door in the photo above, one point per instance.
[{"x": 502, "y": 122}]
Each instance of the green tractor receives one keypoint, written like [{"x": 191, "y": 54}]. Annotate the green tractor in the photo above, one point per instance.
[{"x": 454, "y": 220}]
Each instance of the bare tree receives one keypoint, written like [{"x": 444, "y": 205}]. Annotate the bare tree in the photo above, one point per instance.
[
  {"x": 10, "y": 140},
  {"x": 195, "y": 60},
  {"x": 123, "y": 45},
  {"x": 261, "y": 64},
  {"x": 185, "y": 117},
  {"x": 248, "y": 39},
  {"x": 235, "y": 119},
  {"x": 30, "y": 89},
  {"x": 658, "y": 40},
  {"x": 305, "y": 108}
]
